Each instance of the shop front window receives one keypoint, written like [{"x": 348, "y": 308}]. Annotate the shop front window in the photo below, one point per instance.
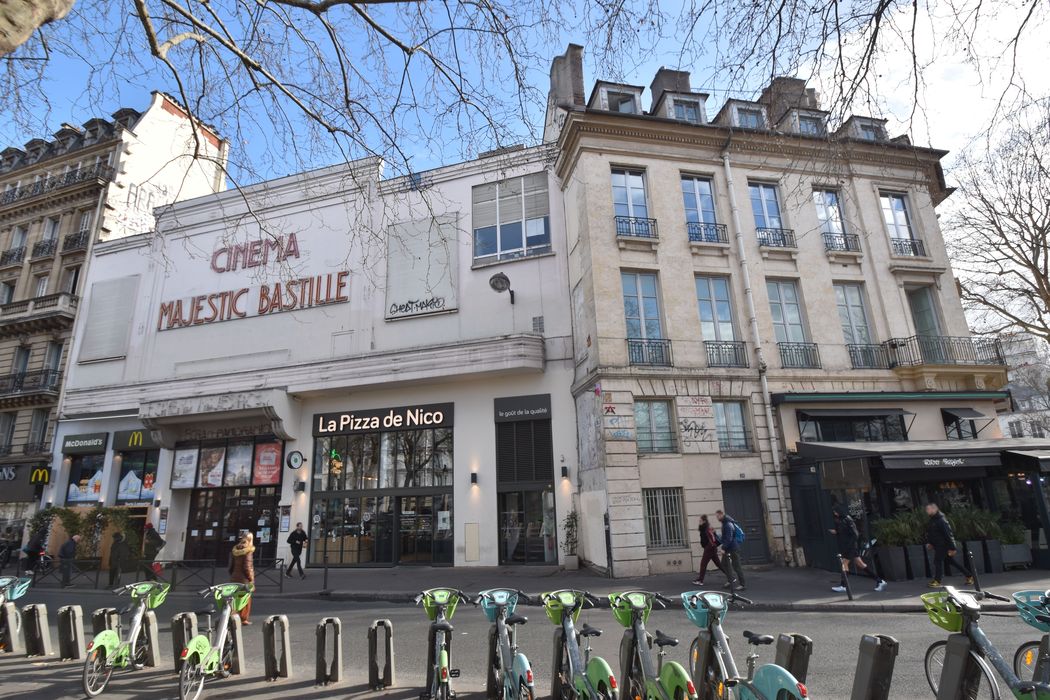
[
  {"x": 85, "y": 479},
  {"x": 138, "y": 476}
]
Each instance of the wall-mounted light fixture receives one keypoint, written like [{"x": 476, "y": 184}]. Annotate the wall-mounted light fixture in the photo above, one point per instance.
[
  {"x": 473, "y": 478},
  {"x": 156, "y": 503},
  {"x": 300, "y": 486},
  {"x": 501, "y": 283},
  {"x": 47, "y": 505},
  {"x": 564, "y": 472}
]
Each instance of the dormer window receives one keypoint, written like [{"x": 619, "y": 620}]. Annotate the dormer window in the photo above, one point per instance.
[
  {"x": 623, "y": 102},
  {"x": 810, "y": 125},
  {"x": 869, "y": 131},
  {"x": 687, "y": 111},
  {"x": 749, "y": 118}
]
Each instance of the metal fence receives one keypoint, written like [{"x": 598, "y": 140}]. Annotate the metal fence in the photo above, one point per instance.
[
  {"x": 726, "y": 353},
  {"x": 182, "y": 574},
  {"x": 868, "y": 356},
  {"x": 799, "y": 355},
  {"x": 908, "y": 247},
  {"x": 700, "y": 232},
  {"x": 944, "y": 350},
  {"x": 849, "y": 242},
  {"x": 636, "y": 227},
  {"x": 776, "y": 237},
  {"x": 649, "y": 351}
]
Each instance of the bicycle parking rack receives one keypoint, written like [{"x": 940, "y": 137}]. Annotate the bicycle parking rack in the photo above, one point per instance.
[
  {"x": 960, "y": 676},
  {"x": 878, "y": 654},
  {"x": 104, "y": 619},
  {"x": 237, "y": 667},
  {"x": 13, "y": 641},
  {"x": 71, "y": 644},
  {"x": 329, "y": 629},
  {"x": 37, "y": 630},
  {"x": 377, "y": 680},
  {"x": 183, "y": 629},
  {"x": 793, "y": 652},
  {"x": 277, "y": 665},
  {"x": 150, "y": 629}
]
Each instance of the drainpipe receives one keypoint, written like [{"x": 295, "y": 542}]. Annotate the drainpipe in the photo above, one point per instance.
[{"x": 756, "y": 338}]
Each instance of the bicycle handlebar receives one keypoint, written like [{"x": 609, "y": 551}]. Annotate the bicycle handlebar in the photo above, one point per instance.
[
  {"x": 663, "y": 600},
  {"x": 592, "y": 599}
]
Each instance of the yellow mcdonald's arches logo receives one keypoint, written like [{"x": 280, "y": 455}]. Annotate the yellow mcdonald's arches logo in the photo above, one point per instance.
[
  {"x": 135, "y": 439},
  {"x": 40, "y": 475}
]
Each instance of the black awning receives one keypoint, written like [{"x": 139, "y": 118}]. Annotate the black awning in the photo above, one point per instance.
[
  {"x": 835, "y": 412},
  {"x": 1038, "y": 460},
  {"x": 963, "y": 413}
]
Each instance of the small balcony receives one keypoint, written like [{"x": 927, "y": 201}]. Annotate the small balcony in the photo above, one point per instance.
[
  {"x": 868, "y": 356},
  {"x": 43, "y": 380},
  {"x": 5, "y": 450},
  {"x": 776, "y": 237},
  {"x": 944, "y": 350},
  {"x": 908, "y": 247},
  {"x": 700, "y": 232},
  {"x": 36, "y": 448},
  {"x": 45, "y": 249},
  {"x": 94, "y": 174},
  {"x": 841, "y": 242},
  {"x": 726, "y": 353},
  {"x": 75, "y": 241},
  {"x": 47, "y": 313},
  {"x": 646, "y": 352},
  {"x": 799, "y": 355},
  {"x": 636, "y": 227},
  {"x": 657, "y": 441},
  {"x": 734, "y": 440},
  {"x": 12, "y": 256}
]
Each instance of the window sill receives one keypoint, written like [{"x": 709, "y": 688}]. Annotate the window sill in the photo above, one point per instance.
[
  {"x": 844, "y": 256},
  {"x": 778, "y": 252},
  {"x": 676, "y": 453},
  {"x": 704, "y": 248},
  {"x": 737, "y": 453},
  {"x": 668, "y": 548},
  {"x": 637, "y": 242},
  {"x": 507, "y": 261}
]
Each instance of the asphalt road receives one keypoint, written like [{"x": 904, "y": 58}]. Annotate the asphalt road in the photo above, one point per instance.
[{"x": 836, "y": 637}]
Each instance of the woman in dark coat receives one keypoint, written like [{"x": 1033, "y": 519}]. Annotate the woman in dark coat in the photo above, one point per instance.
[
  {"x": 119, "y": 558},
  {"x": 709, "y": 542},
  {"x": 242, "y": 569}
]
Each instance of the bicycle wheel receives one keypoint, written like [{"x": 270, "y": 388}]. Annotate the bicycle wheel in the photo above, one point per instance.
[
  {"x": 1025, "y": 659},
  {"x": 635, "y": 688},
  {"x": 987, "y": 688},
  {"x": 191, "y": 679},
  {"x": 603, "y": 692},
  {"x": 3, "y": 637},
  {"x": 565, "y": 685},
  {"x": 525, "y": 692},
  {"x": 140, "y": 651},
  {"x": 96, "y": 672},
  {"x": 226, "y": 660}
]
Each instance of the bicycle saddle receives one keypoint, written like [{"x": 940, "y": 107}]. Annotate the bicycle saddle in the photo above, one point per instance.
[
  {"x": 588, "y": 631},
  {"x": 206, "y": 611},
  {"x": 443, "y": 626},
  {"x": 517, "y": 620},
  {"x": 662, "y": 640},
  {"x": 758, "y": 639}
]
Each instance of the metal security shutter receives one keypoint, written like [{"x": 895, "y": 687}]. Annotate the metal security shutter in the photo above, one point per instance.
[
  {"x": 524, "y": 452},
  {"x": 109, "y": 317}
]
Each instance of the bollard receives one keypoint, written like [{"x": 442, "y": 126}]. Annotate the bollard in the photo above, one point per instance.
[
  {"x": 329, "y": 672},
  {"x": 152, "y": 636},
  {"x": 698, "y": 663},
  {"x": 237, "y": 667},
  {"x": 1042, "y": 665},
  {"x": 12, "y": 640},
  {"x": 71, "y": 643},
  {"x": 104, "y": 619},
  {"x": 878, "y": 654},
  {"x": 37, "y": 630},
  {"x": 183, "y": 629},
  {"x": 277, "y": 665},
  {"x": 377, "y": 680},
  {"x": 960, "y": 675},
  {"x": 793, "y": 652}
]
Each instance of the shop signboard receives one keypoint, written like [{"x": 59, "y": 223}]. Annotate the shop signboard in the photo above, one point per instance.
[
  {"x": 210, "y": 468},
  {"x": 184, "y": 468},
  {"x": 438, "y": 415},
  {"x": 16, "y": 484},
  {"x": 517, "y": 408},
  {"x": 85, "y": 444},
  {"x": 131, "y": 440},
  {"x": 267, "y": 471},
  {"x": 238, "y": 464}
]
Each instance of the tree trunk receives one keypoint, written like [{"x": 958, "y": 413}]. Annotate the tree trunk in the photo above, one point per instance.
[{"x": 20, "y": 18}]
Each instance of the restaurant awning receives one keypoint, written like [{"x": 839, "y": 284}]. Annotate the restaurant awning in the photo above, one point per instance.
[
  {"x": 835, "y": 412},
  {"x": 963, "y": 413},
  {"x": 1028, "y": 459}
]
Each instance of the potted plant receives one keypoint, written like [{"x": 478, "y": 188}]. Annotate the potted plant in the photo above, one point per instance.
[
  {"x": 570, "y": 541},
  {"x": 973, "y": 527},
  {"x": 915, "y": 549},
  {"x": 892, "y": 534},
  {"x": 1015, "y": 552}
]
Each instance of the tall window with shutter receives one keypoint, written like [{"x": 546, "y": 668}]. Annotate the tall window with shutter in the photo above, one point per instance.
[
  {"x": 511, "y": 219},
  {"x": 110, "y": 311}
]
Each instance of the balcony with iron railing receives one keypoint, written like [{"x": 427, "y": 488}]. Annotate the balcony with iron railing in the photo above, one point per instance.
[
  {"x": 45, "y": 248},
  {"x": 6, "y": 450},
  {"x": 868, "y": 356},
  {"x": 700, "y": 232},
  {"x": 726, "y": 353},
  {"x": 799, "y": 355},
  {"x": 649, "y": 352},
  {"x": 49, "y": 312},
  {"x": 841, "y": 242},
  {"x": 38, "y": 381},
  {"x": 657, "y": 441},
  {"x": 98, "y": 173},
  {"x": 75, "y": 241},
  {"x": 734, "y": 440},
  {"x": 944, "y": 350},
  {"x": 776, "y": 237},
  {"x": 908, "y": 247},
  {"x": 36, "y": 448},
  {"x": 12, "y": 256},
  {"x": 636, "y": 227}
]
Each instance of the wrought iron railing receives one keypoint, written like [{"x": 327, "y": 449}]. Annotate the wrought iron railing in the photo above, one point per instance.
[
  {"x": 944, "y": 350},
  {"x": 30, "y": 382},
  {"x": 734, "y": 440},
  {"x": 636, "y": 227},
  {"x": 12, "y": 256},
  {"x": 36, "y": 448},
  {"x": 648, "y": 351},
  {"x": 62, "y": 301},
  {"x": 5, "y": 450},
  {"x": 75, "y": 241},
  {"x": 799, "y": 355},
  {"x": 848, "y": 242},
  {"x": 657, "y": 441},
  {"x": 699, "y": 232},
  {"x": 868, "y": 356},
  {"x": 908, "y": 247},
  {"x": 56, "y": 182},
  {"x": 42, "y": 249},
  {"x": 726, "y": 353},
  {"x": 776, "y": 237}
]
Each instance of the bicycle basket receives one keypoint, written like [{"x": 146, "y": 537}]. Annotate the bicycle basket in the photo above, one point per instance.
[
  {"x": 698, "y": 613},
  {"x": 1029, "y": 604},
  {"x": 555, "y": 604},
  {"x": 495, "y": 598},
  {"x": 942, "y": 611},
  {"x": 16, "y": 587},
  {"x": 240, "y": 600},
  {"x": 155, "y": 593},
  {"x": 437, "y": 598},
  {"x": 624, "y": 604}
]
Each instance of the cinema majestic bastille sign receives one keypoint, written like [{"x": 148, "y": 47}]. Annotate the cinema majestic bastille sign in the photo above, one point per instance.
[{"x": 265, "y": 299}]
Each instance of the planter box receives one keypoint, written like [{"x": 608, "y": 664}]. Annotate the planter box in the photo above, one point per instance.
[
  {"x": 572, "y": 562},
  {"x": 918, "y": 567},
  {"x": 892, "y": 566},
  {"x": 976, "y": 548},
  {"x": 1016, "y": 555},
  {"x": 993, "y": 557}
]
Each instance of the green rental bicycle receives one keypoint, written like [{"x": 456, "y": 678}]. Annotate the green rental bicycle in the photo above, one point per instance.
[
  {"x": 201, "y": 659},
  {"x": 440, "y": 605},
  {"x": 667, "y": 681},
  {"x": 1032, "y": 659},
  {"x": 12, "y": 588},
  {"x": 576, "y": 676},
  {"x": 107, "y": 651}
]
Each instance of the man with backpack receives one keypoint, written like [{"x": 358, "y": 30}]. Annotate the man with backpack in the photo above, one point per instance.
[
  {"x": 732, "y": 538},
  {"x": 846, "y": 538}
]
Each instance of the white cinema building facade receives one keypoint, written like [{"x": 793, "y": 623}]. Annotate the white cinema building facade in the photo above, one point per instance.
[{"x": 387, "y": 361}]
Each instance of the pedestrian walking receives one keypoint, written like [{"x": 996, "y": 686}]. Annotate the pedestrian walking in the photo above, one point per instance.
[
  {"x": 33, "y": 549},
  {"x": 297, "y": 540},
  {"x": 242, "y": 569},
  {"x": 847, "y": 537},
  {"x": 731, "y": 538},
  {"x": 941, "y": 539},
  {"x": 709, "y": 542},
  {"x": 119, "y": 558},
  {"x": 66, "y": 554},
  {"x": 152, "y": 543}
]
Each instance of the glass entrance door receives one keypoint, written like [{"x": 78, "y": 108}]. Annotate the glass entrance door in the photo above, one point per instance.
[
  {"x": 416, "y": 518},
  {"x": 527, "y": 532}
]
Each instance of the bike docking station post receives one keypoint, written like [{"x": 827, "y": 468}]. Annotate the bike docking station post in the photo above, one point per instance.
[
  {"x": 878, "y": 654},
  {"x": 960, "y": 675},
  {"x": 237, "y": 667},
  {"x": 329, "y": 631},
  {"x": 71, "y": 643},
  {"x": 277, "y": 664},
  {"x": 793, "y": 652},
  {"x": 152, "y": 632},
  {"x": 377, "y": 680},
  {"x": 37, "y": 630},
  {"x": 183, "y": 629},
  {"x": 11, "y": 640},
  {"x": 104, "y": 619}
]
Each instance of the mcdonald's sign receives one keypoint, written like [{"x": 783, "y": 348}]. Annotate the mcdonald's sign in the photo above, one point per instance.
[
  {"x": 40, "y": 475},
  {"x": 126, "y": 440}
]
